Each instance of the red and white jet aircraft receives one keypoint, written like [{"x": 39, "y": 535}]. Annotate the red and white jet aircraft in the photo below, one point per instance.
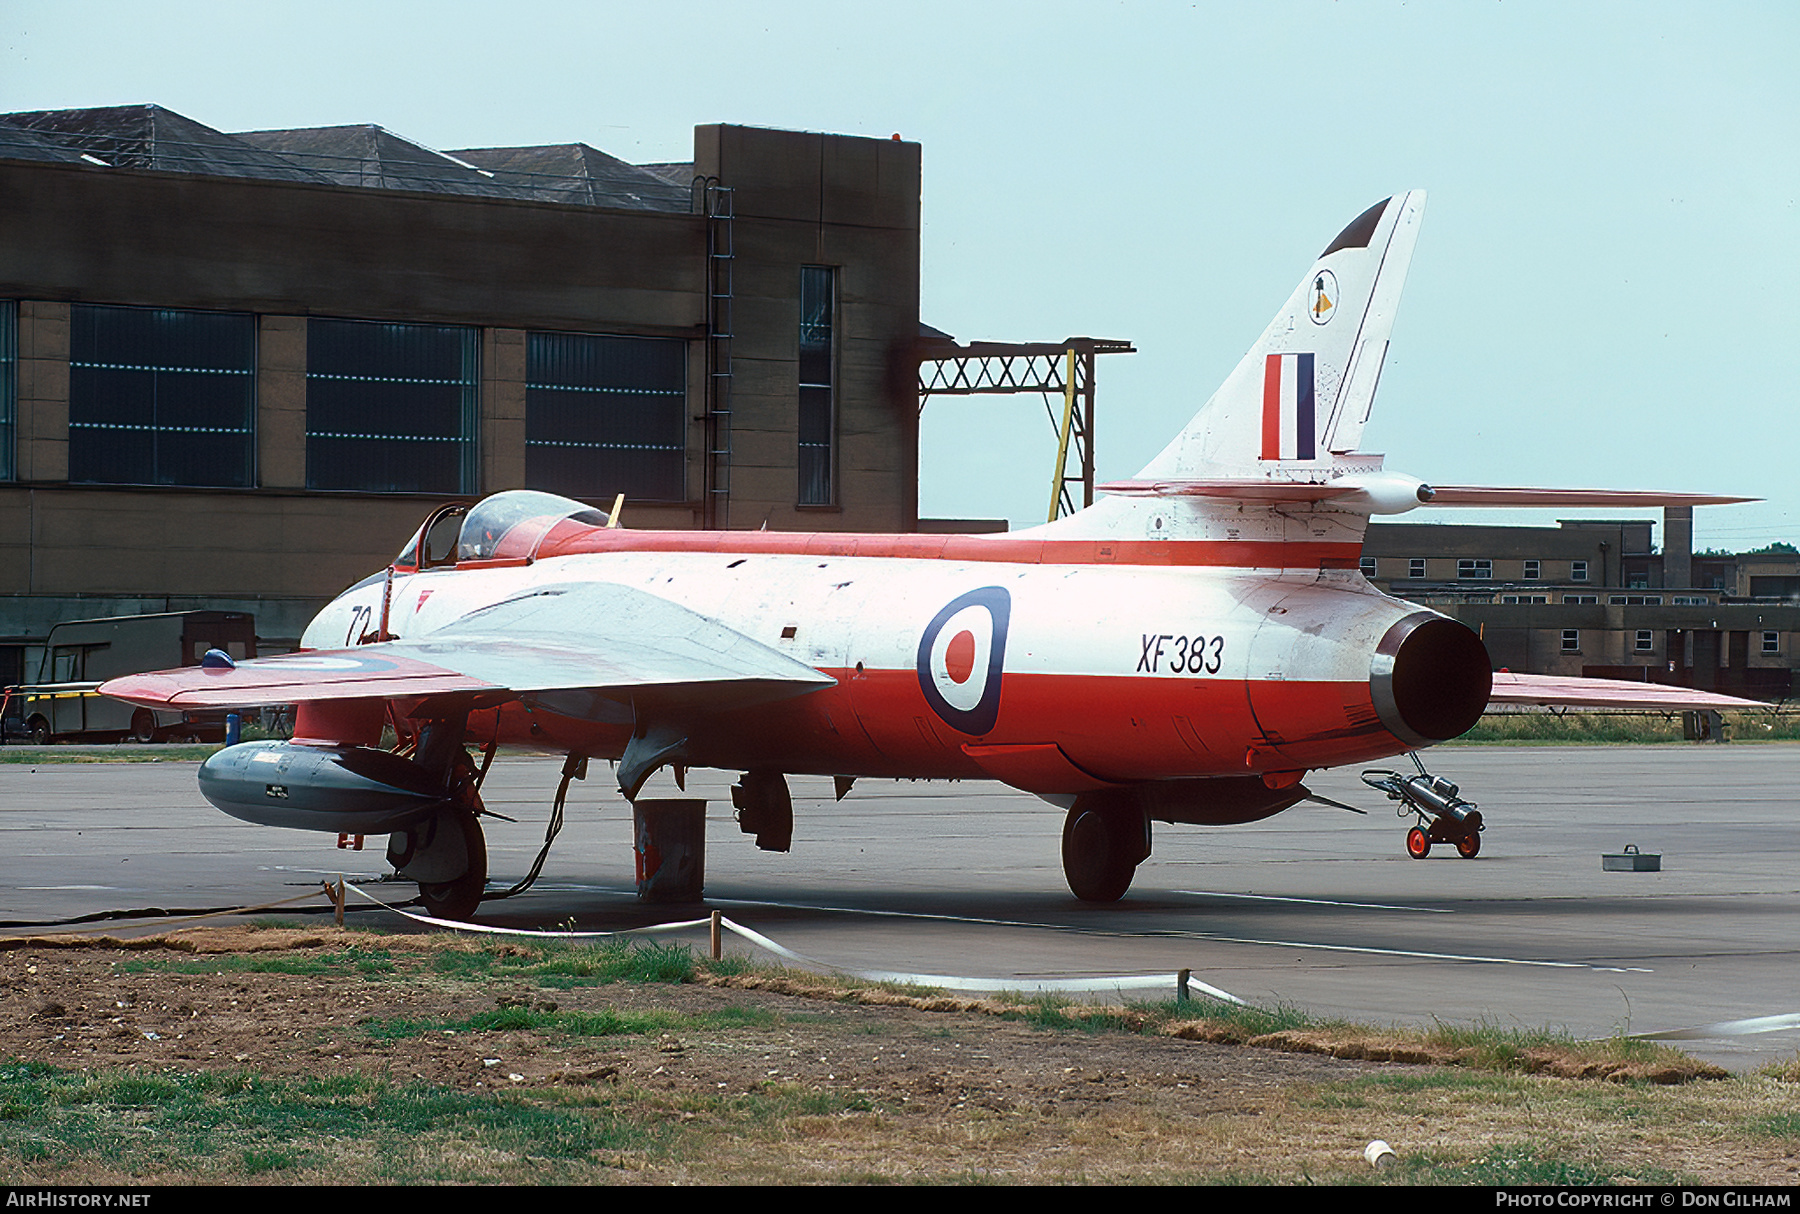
[{"x": 1185, "y": 650}]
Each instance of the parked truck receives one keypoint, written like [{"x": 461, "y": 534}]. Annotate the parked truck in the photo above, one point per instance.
[{"x": 79, "y": 655}]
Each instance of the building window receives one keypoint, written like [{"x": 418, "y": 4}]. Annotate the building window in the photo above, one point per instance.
[
  {"x": 1581, "y": 598},
  {"x": 1645, "y": 642},
  {"x": 1533, "y": 570},
  {"x": 9, "y": 383},
  {"x": 1771, "y": 642},
  {"x": 1578, "y": 571},
  {"x": 1524, "y": 598},
  {"x": 161, "y": 397},
  {"x": 391, "y": 408},
  {"x": 1415, "y": 568},
  {"x": 1368, "y": 566},
  {"x": 818, "y": 367},
  {"x": 1571, "y": 640},
  {"x": 1635, "y": 600},
  {"x": 1689, "y": 600},
  {"x": 606, "y": 415},
  {"x": 1474, "y": 570}
]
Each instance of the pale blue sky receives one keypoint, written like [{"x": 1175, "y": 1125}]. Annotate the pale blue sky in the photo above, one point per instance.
[{"x": 1609, "y": 260}]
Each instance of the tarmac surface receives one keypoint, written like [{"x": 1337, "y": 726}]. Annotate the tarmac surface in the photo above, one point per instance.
[{"x": 1315, "y": 907}]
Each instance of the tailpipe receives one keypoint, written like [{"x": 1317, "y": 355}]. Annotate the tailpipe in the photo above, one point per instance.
[{"x": 1430, "y": 679}]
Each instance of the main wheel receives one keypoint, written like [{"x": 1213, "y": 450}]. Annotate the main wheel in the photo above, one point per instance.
[
  {"x": 1102, "y": 846},
  {"x": 458, "y": 899},
  {"x": 1469, "y": 846},
  {"x": 1418, "y": 843}
]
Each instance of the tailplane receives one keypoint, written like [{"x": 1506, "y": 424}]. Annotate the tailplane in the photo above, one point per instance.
[{"x": 1301, "y": 395}]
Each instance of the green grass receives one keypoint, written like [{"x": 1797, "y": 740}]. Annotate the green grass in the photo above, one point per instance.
[
  {"x": 1780, "y": 1125},
  {"x": 557, "y": 964},
  {"x": 1246, "y": 1018},
  {"x": 41, "y": 755},
  {"x": 511, "y": 1017},
  {"x": 1493, "y": 1047},
  {"x": 1621, "y": 728},
  {"x": 1051, "y": 1011},
  {"x": 367, "y": 963},
  {"x": 235, "y": 1123},
  {"x": 1524, "y": 1165}
]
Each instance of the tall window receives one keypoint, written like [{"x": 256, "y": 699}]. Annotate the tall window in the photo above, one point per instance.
[
  {"x": 1415, "y": 567},
  {"x": 160, "y": 397},
  {"x": 9, "y": 383},
  {"x": 606, "y": 415},
  {"x": 1531, "y": 570},
  {"x": 1578, "y": 571},
  {"x": 818, "y": 405},
  {"x": 391, "y": 408}
]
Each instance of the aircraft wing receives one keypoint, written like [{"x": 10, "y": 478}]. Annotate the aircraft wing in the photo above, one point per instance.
[
  {"x": 1511, "y": 495},
  {"x": 1548, "y": 690},
  {"x": 586, "y": 636}
]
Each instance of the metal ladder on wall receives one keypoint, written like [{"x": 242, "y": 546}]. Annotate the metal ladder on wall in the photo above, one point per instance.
[{"x": 717, "y": 202}]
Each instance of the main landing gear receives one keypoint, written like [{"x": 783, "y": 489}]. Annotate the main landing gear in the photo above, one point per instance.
[
  {"x": 447, "y": 855},
  {"x": 1104, "y": 839},
  {"x": 1443, "y": 816}
]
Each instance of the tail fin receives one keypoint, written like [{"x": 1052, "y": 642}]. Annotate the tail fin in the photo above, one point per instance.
[{"x": 1303, "y": 392}]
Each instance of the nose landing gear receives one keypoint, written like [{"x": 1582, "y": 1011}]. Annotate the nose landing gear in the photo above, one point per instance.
[{"x": 1443, "y": 816}]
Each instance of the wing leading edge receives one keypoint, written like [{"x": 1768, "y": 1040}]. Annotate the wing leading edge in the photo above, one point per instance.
[{"x": 587, "y": 636}]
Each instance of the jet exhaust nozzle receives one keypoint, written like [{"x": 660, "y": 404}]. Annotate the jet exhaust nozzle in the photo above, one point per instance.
[{"x": 1430, "y": 679}]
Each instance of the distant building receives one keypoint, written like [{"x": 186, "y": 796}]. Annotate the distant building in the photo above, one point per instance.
[
  {"x": 1594, "y": 598},
  {"x": 236, "y": 370}
]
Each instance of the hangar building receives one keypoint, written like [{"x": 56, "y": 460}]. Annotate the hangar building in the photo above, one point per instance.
[{"x": 237, "y": 369}]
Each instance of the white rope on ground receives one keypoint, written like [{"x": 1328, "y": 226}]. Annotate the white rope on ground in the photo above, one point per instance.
[
  {"x": 955, "y": 983},
  {"x": 1725, "y": 1028},
  {"x": 484, "y": 929},
  {"x": 948, "y": 981}
]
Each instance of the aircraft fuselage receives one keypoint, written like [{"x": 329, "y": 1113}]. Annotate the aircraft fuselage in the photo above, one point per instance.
[{"x": 1055, "y": 677}]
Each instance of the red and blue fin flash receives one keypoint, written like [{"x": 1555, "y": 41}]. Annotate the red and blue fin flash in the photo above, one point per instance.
[{"x": 1287, "y": 419}]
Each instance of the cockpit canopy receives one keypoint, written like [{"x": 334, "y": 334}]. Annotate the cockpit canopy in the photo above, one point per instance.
[{"x": 502, "y": 526}]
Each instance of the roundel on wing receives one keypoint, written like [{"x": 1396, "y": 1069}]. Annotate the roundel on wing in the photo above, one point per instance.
[
  {"x": 960, "y": 658},
  {"x": 342, "y": 662}
]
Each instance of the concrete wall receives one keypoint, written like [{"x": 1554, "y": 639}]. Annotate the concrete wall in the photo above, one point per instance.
[{"x": 806, "y": 199}]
